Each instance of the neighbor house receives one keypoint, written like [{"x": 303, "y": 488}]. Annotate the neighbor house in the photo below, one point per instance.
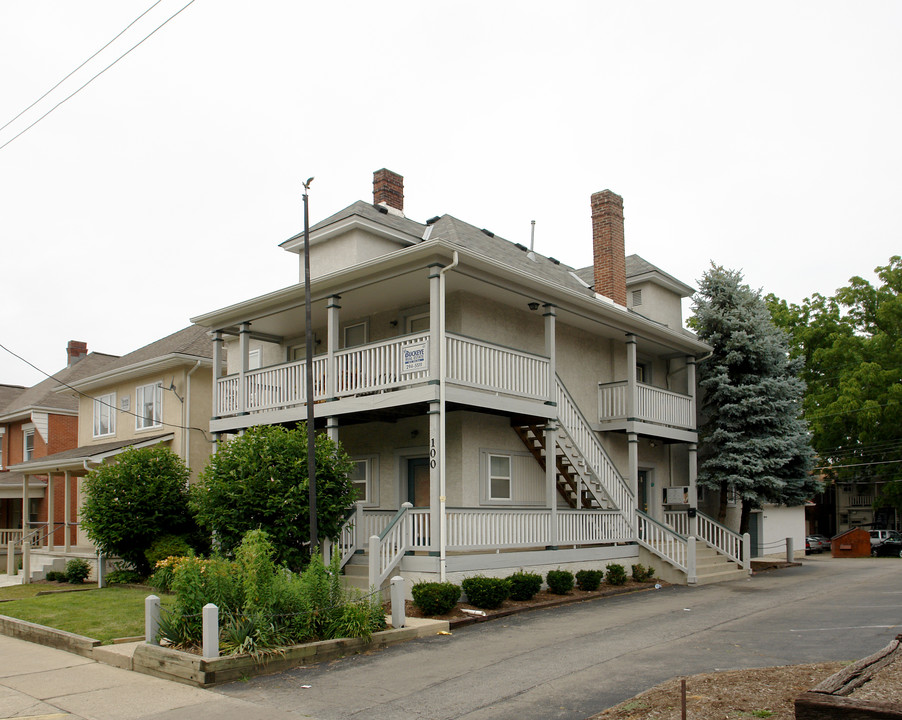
[
  {"x": 36, "y": 422},
  {"x": 159, "y": 394},
  {"x": 503, "y": 410}
]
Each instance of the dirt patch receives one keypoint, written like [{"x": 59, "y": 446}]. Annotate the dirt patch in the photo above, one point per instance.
[
  {"x": 736, "y": 694},
  {"x": 544, "y": 599}
]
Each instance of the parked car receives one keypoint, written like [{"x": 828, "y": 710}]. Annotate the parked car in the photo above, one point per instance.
[
  {"x": 813, "y": 545},
  {"x": 825, "y": 542},
  {"x": 891, "y": 547},
  {"x": 879, "y": 536}
]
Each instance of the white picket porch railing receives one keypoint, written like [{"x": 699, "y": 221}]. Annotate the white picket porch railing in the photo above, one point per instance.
[
  {"x": 379, "y": 366},
  {"x": 664, "y": 543},
  {"x": 8, "y": 535},
  {"x": 479, "y": 364},
  {"x": 678, "y": 520},
  {"x": 580, "y": 432},
  {"x": 653, "y": 404},
  {"x": 589, "y": 527},
  {"x": 487, "y": 529},
  {"x": 407, "y": 531}
]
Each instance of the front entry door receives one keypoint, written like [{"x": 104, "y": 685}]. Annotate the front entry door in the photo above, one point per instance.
[
  {"x": 418, "y": 482},
  {"x": 643, "y": 491}
]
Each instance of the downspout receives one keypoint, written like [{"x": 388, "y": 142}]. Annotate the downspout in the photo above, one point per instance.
[
  {"x": 442, "y": 522},
  {"x": 186, "y": 422}
]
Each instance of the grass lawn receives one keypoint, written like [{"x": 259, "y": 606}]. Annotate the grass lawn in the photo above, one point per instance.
[{"x": 102, "y": 614}]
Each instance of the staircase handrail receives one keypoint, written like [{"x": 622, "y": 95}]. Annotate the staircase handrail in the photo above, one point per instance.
[
  {"x": 664, "y": 542},
  {"x": 719, "y": 537},
  {"x": 577, "y": 428},
  {"x": 387, "y": 549},
  {"x": 347, "y": 535},
  {"x": 53, "y": 528}
]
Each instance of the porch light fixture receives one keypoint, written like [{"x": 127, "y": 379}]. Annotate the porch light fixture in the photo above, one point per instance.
[
  {"x": 308, "y": 332},
  {"x": 533, "y": 306}
]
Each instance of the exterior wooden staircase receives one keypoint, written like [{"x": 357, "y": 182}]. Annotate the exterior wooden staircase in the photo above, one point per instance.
[{"x": 571, "y": 478}]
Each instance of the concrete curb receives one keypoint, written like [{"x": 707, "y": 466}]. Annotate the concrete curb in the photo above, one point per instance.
[{"x": 51, "y": 637}]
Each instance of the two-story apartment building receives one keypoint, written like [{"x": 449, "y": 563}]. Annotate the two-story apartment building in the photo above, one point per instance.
[
  {"x": 158, "y": 394},
  {"x": 36, "y": 422},
  {"x": 504, "y": 410}
]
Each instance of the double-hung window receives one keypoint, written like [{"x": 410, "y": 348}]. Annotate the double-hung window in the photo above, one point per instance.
[
  {"x": 363, "y": 476},
  {"x": 499, "y": 477},
  {"x": 105, "y": 415},
  {"x": 28, "y": 446},
  {"x": 149, "y": 406}
]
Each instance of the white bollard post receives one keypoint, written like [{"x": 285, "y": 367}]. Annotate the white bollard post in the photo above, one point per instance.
[
  {"x": 101, "y": 572},
  {"x": 398, "y": 612},
  {"x": 151, "y": 619},
  {"x": 747, "y": 553},
  {"x": 26, "y": 563},
  {"x": 11, "y": 558},
  {"x": 211, "y": 630},
  {"x": 790, "y": 550},
  {"x": 691, "y": 576}
]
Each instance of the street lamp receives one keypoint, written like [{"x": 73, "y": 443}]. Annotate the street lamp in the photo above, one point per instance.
[{"x": 311, "y": 440}]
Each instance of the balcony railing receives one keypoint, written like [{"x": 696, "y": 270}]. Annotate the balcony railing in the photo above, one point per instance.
[
  {"x": 653, "y": 404},
  {"x": 384, "y": 366}
]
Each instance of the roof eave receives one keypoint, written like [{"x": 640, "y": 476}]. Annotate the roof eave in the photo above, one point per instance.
[{"x": 146, "y": 367}]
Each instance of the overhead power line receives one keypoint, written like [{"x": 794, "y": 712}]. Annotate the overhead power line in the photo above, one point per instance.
[
  {"x": 10, "y": 122},
  {"x": 75, "y": 92}
]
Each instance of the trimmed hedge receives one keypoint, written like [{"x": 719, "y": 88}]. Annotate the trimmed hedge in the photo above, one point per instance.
[
  {"x": 560, "y": 582},
  {"x": 524, "y": 585},
  {"x": 589, "y": 580},
  {"x": 642, "y": 573},
  {"x": 486, "y": 592},
  {"x": 615, "y": 574},
  {"x": 435, "y": 598}
]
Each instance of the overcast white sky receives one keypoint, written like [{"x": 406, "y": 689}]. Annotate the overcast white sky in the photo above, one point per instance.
[{"x": 764, "y": 136}]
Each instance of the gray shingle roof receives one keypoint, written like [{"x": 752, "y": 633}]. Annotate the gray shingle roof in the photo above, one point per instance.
[
  {"x": 8, "y": 394},
  {"x": 89, "y": 451},
  {"x": 370, "y": 212},
  {"x": 43, "y": 394}
]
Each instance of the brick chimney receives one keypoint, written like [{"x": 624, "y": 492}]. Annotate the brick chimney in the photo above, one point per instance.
[
  {"x": 608, "y": 251},
  {"x": 75, "y": 351},
  {"x": 388, "y": 189}
]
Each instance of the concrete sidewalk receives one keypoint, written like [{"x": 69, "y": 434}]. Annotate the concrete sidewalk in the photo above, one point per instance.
[{"x": 40, "y": 682}]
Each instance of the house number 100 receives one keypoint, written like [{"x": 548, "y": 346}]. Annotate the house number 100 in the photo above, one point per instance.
[{"x": 432, "y": 454}]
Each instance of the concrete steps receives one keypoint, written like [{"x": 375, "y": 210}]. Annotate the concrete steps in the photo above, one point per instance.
[{"x": 712, "y": 567}]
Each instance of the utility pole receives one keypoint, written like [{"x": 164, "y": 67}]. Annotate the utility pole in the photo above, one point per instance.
[{"x": 311, "y": 439}]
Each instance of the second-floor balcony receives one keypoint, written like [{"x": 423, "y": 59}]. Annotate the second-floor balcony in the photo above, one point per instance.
[
  {"x": 385, "y": 366},
  {"x": 649, "y": 405}
]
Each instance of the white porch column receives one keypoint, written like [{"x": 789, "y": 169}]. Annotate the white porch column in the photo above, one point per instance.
[
  {"x": 435, "y": 471},
  {"x": 435, "y": 309},
  {"x": 632, "y": 393},
  {"x": 332, "y": 329},
  {"x": 332, "y": 428},
  {"x": 67, "y": 511},
  {"x": 693, "y": 489},
  {"x": 551, "y": 481},
  {"x": 25, "y": 505},
  {"x": 633, "y": 441},
  {"x": 217, "y": 370},
  {"x": 244, "y": 353},
  {"x": 551, "y": 352},
  {"x": 690, "y": 387},
  {"x": 51, "y": 516}
]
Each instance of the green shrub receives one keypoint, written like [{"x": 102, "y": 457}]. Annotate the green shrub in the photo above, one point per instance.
[
  {"x": 167, "y": 546},
  {"x": 55, "y": 576},
  {"x": 615, "y": 574},
  {"x": 77, "y": 571},
  {"x": 560, "y": 582},
  {"x": 589, "y": 579},
  {"x": 486, "y": 592},
  {"x": 642, "y": 573},
  {"x": 435, "y": 598},
  {"x": 524, "y": 585},
  {"x": 123, "y": 577}
]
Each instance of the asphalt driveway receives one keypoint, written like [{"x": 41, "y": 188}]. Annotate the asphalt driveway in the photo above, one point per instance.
[{"x": 573, "y": 661}]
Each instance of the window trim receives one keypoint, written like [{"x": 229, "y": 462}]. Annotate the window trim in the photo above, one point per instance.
[
  {"x": 350, "y": 326},
  {"x": 109, "y": 400},
  {"x": 490, "y": 497},
  {"x": 139, "y": 406},
  {"x": 28, "y": 431},
  {"x": 371, "y": 465}
]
